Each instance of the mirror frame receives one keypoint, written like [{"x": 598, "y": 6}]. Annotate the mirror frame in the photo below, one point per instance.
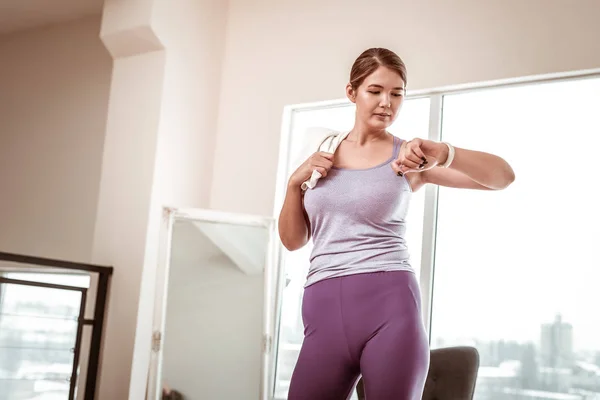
[{"x": 271, "y": 281}]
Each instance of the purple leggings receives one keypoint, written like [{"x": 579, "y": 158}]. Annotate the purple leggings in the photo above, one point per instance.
[{"x": 364, "y": 324}]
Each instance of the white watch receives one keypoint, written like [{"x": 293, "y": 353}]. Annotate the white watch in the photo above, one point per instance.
[{"x": 450, "y": 156}]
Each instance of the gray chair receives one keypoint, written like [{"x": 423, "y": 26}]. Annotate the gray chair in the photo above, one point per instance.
[{"x": 452, "y": 375}]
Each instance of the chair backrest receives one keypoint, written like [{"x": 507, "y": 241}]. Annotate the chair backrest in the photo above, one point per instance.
[{"x": 452, "y": 374}]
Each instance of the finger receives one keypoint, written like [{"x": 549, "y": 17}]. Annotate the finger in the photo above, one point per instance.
[
  {"x": 323, "y": 162},
  {"x": 409, "y": 163},
  {"x": 422, "y": 161},
  {"x": 325, "y": 154},
  {"x": 413, "y": 158},
  {"x": 419, "y": 154},
  {"x": 397, "y": 170},
  {"x": 322, "y": 171},
  {"x": 401, "y": 170}
]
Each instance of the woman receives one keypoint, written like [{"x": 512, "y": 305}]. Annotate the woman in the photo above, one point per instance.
[{"x": 361, "y": 307}]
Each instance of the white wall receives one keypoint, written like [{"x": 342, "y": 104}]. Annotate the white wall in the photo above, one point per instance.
[
  {"x": 159, "y": 151},
  {"x": 53, "y": 100},
  {"x": 193, "y": 34},
  {"x": 213, "y": 322},
  {"x": 289, "y": 52}
]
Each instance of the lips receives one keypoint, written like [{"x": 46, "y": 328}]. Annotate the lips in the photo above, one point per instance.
[{"x": 383, "y": 115}]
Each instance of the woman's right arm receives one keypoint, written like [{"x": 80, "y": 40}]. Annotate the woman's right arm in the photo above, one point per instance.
[{"x": 294, "y": 226}]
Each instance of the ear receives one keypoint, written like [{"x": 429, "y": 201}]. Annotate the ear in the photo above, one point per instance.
[{"x": 350, "y": 93}]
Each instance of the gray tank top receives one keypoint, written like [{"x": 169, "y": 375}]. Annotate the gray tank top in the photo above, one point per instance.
[{"x": 357, "y": 220}]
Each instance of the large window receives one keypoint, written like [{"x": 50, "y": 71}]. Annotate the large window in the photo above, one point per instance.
[
  {"x": 412, "y": 122},
  {"x": 517, "y": 271},
  {"x": 513, "y": 273}
]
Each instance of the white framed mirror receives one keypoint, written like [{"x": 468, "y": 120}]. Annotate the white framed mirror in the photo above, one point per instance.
[{"x": 214, "y": 319}]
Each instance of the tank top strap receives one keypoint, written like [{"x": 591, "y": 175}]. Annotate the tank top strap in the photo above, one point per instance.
[{"x": 397, "y": 145}]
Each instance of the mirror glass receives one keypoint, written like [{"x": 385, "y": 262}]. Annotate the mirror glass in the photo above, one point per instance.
[{"x": 214, "y": 311}]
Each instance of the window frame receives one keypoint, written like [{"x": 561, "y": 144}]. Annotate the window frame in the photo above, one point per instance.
[
  {"x": 100, "y": 278},
  {"x": 428, "y": 251}
]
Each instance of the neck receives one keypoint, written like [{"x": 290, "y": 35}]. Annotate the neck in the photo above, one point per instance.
[{"x": 362, "y": 134}]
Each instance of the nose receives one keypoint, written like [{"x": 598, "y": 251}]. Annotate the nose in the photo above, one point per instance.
[{"x": 385, "y": 101}]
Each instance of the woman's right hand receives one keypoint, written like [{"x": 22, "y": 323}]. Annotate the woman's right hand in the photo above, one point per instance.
[{"x": 320, "y": 161}]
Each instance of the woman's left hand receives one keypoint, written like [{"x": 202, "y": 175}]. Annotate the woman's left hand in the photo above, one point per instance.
[{"x": 413, "y": 158}]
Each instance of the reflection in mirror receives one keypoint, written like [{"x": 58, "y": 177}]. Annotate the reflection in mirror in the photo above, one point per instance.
[{"x": 214, "y": 311}]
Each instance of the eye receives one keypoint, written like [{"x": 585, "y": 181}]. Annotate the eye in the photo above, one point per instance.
[
  {"x": 374, "y": 92},
  {"x": 397, "y": 94}
]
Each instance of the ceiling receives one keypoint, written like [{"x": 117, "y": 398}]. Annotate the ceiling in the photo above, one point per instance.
[{"x": 18, "y": 15}]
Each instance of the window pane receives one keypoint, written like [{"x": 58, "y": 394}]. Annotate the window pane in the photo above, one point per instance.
[
  {"x": 412, "y": 122},
  {"x": 517, "y": 271},
  {"x": 38, "y": 330}
]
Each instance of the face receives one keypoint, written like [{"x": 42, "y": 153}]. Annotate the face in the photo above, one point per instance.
[{"x": 378, "y": 99}]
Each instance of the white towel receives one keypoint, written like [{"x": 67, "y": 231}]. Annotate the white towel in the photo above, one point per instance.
[{"x": 328, "y": 145}]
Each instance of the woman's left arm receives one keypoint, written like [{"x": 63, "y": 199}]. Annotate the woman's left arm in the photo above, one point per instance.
[{"x": 469, "y": 169}]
